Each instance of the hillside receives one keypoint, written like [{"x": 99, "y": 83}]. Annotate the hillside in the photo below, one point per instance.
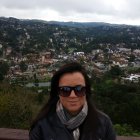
[{"x": 27, "y": 36}]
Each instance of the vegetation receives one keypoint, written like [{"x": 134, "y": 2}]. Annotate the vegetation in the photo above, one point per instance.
[
  {"x": 4, "y": 67},
  {"x": 119, "y": 101},
  {"x": 18, "y": 106},
  {"x": 23, "y": 66},
  {"x": 33, "y": 36},
  {"x": 126, "y": 130}
]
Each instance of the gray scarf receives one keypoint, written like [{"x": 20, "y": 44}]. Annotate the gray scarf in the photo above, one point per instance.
[
  {"x": 72, "y": 122},
  {"x": 75, "y": 121}
]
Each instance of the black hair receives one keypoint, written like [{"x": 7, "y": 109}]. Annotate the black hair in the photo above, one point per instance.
[{"x": 51, "y": 104}]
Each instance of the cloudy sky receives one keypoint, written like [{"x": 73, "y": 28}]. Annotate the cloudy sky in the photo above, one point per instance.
[{"x": 111, "y": 11}]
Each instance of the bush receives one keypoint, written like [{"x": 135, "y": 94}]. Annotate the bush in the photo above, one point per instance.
[
  {"x": 126, "y": 130},
  {"x": 15, "y": 111},
  {"x": 18, "y": 106}
]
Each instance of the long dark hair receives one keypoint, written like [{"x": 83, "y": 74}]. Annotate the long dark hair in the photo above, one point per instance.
[{"x": 50, "y": 106}]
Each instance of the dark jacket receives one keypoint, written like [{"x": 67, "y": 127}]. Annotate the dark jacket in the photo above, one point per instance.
[{"x": 95, "y": 127}]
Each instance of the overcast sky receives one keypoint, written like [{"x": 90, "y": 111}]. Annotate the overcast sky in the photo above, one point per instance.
[{"x": 110, "y": 11}]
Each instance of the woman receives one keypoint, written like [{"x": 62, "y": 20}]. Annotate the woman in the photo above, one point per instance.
[{"x": 69, "y": 113}]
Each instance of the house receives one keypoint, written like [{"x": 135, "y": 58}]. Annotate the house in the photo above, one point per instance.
[
  {"x": 79, "y": 53},
  {"x": 135, "y": 78},
  {"x": 125, "y": 50}
]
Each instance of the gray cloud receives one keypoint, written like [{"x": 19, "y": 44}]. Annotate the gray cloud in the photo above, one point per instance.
[
  {"x": 106, "y": 10},
  {"x": 59, "y": 5}
]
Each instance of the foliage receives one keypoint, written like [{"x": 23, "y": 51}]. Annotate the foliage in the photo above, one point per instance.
[
  {"x": 4, "y": 67},
  {"x": 133, "y": 70},
  {"x": 33, "y": 36},
  {"x": 1, "y": 77},
  {"x": 114, "y": 72},
  {"x": 120, "y": 102},
  {"x": 132, "y": 58},
  {"x": 126, "y": 130},
  {"x": 14, "y": 112},
  {"x": 18, "y": 106},
  {"x": 23, "y": 66}
]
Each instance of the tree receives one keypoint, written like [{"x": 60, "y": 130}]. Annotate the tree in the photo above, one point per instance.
[
  {"x": 120, "y": 102},
  {"x": 1, "y": 77},
  {"x": 132, "y": 58},
  {"x": 23, "y": 66},
  {"x": 4, "y": 68},
  {"x": 115, "y": 71}
]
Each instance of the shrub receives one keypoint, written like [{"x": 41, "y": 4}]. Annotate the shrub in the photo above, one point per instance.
[
  {"x": 126, "y": 130},
  {"x": 15, "y": 111},
  {"x": 18, "y": 106}
]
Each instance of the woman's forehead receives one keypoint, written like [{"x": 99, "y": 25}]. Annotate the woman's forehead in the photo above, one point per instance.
[{"x": 75, "y": 78}]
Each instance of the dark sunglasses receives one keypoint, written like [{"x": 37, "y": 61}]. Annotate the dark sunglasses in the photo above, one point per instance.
[{"x": 65, "y": 91}]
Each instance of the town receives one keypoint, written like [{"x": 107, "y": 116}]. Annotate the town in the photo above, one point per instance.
[
  {"x": 42, "y": 65},
  {"x": 34, "y": 50}
]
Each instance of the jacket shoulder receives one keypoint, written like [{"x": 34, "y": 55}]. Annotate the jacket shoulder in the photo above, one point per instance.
[
  {"x": 106, "y": 126},
  {"x": 40, "y": 130}
]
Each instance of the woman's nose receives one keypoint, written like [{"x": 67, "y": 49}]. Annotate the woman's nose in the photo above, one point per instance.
[{"x": 72, "y": 94}]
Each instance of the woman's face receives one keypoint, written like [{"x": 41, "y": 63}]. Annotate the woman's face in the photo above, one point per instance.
[{"x": 73, "y": 104}]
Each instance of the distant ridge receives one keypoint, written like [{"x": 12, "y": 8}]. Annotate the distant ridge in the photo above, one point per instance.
[
  {"x": 31, "y": 35},
  {"x": 80, "y": 24},
  {"x": 69, "y": 24}
]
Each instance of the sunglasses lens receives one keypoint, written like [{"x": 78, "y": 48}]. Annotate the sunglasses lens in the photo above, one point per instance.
[
  {"x": 80, "y": 91},
  {"x": 64, "y": 91}
]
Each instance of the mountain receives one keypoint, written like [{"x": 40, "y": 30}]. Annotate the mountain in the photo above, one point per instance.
[
  {"x": 36, "y": 35},
  {"x": 80, "y": 24}
]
